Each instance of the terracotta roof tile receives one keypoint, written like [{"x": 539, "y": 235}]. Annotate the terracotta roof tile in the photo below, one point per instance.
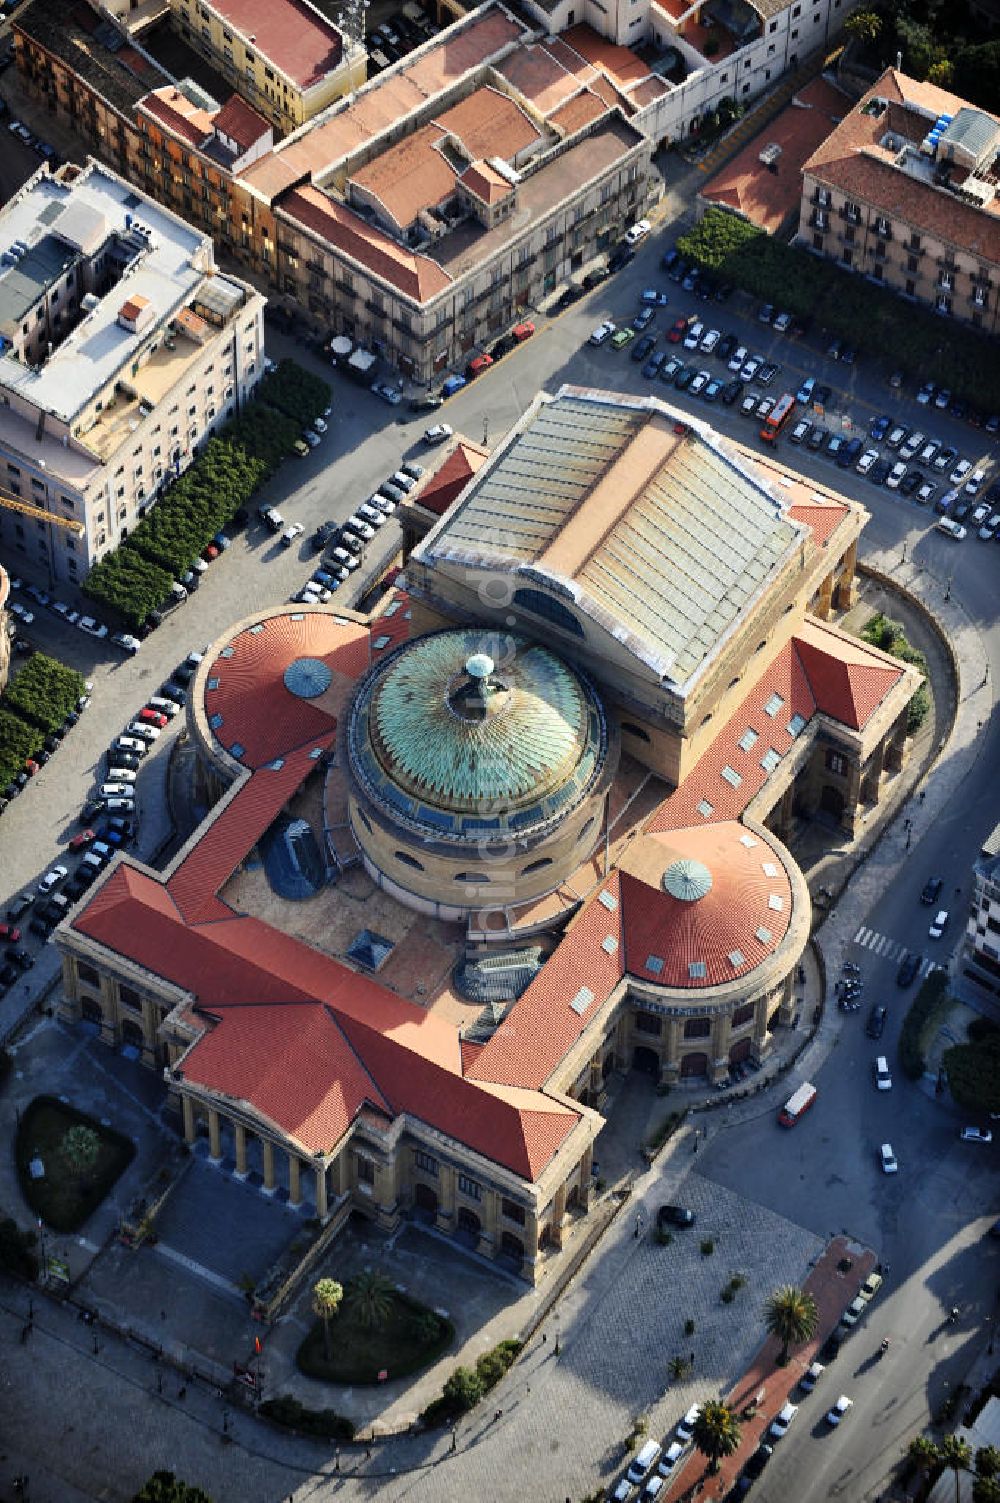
[
  {"x": 822, "y": 517},
  {"x": 621, "y": 64},
  {"x": 172, "y": 109},
  {"x": 540, "y": 77},
  {"x": 416, "y": 276},
  {"x": 440, "y": 489},
  {"x": 849, "y": 680},
  {"x": 489, "y": 124},
  {"x": 481, "y": 180},
  {"x": 750, "y": 896},
  {"x": 296, "y": 38},
  {"x": 578, "y": 112},
  {"x": 544, "y": 1023},
  {"x": 241, "y": 122},
  {"x": 411, "y": 176}
]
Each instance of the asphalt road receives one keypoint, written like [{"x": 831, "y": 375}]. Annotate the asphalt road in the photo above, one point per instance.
[{"x": 824, "y": 1175}]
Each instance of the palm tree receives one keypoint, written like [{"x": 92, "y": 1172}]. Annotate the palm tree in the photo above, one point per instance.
[
  {"x": 865, "y": 26},
  {"x": 791, "y": 1315},
  {"x": 956, "y": 1454},
  {"x": 369, "y": 1300},
  {"x": 716, "y": 1432},
  {"x": 923, "y": 1453},
  {"x": 326, "y": 1297},
  {"x": 678, "y": 1367},
  {"x": 988, "y": 1462}
]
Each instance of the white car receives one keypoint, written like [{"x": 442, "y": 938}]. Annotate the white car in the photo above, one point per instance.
[
  {"x": 800, "y": 432},
  {"x": 783, "y": 322},
  {"x": 958, "y": 474},
  {"x": 782, "y": 1420},
  {"x": 321, "y": 426},
  {"x": 22, "y": 613},
  {"x": 867, "y": 460},
  {"x": 312, "y": 594},
  {"x": 895, "y": 475},
  {"x": 670, "y": 1458},
  {"x": 709, "y": 341},
  {"x": 359, "y": 527},
  {"x": 142, "y": 731},
  {"x": 120, "y": 774},
  {"x": 888, "y": 1158},
  {"x": 91, "y": 627},
  {"x": 129, "y": 643},
  {"x": 371, "y": 515},
  {"x": 120, "y": 805},
  {"x": 853, "y": 1313},
  {"x": 129, "y": 744},
  {"x": 292, "y": 531},
  {"x": 974, "y": 484},
  {"x": 638, "y": 232},
  {"x": 685, "y": 1429},
  {"x": 384, "y": 504},
  {"x": 911, "y": 446},
  {"x": 51, "y": 880},
  {"x": 751, "y": 367},
  {"x": 117, "y": 790},
  {"x": 692, "y": 338},
  {"x": 602, "y": 333},
  {"x": 811, "y": 1377},
  {"x": 736, "y": 361},
  {"x": 839, "y": 1410},
  {"x": 939, "y": 925},
  {"x": 976, "y": 1135},
  {"x": 311, "y": 438},
  {"x": 952, "y": 529},
  {"x": 438, "y": 432},
  {"x": 346, "y": 559},
  {"x": 403, "y": 480}
]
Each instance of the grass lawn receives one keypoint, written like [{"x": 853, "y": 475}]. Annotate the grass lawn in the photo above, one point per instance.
[
  {"x": 412, "y": 1337},
  {"x": 65, "y": 1197}
]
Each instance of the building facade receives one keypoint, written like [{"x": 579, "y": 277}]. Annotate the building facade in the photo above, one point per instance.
[
  {"x": 123, "y": 347},
  {"x": 559, "y": 832},
  {"x": 904, "y": 191},
  {"x": 981, "y": 953}
]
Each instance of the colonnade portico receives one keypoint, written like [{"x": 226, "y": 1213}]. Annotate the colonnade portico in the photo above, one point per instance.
[{"x": 217, "y": 1121}]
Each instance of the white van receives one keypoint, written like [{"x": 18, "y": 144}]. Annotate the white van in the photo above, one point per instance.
[
  {"x": 644, "y": 1461},
  {"x": 883, "y": 1080}
]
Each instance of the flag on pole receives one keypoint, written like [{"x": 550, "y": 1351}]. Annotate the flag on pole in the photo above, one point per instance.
[{"x": 257, "y": 1346}]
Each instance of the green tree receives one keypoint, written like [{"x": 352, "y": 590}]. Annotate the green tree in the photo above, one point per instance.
[
  {"x": 369, "y": 1300},
  {"x": 15, "y": 1249},
  {"x": 986, "y": 1490},
  {"x": 678, "y": 1368},
  {"x": 79, "y": 1148},
  {"x": 164, "y": 1487},
  {"x": 923, "y": 1454},
  {"x": 942, "y": 73},
  {"x": 791, "y": 1315},
  {"x": 864, "y": 26},
  {"x": 463, "y": 1389},
  {"x": 326, "y": 1297},
  {"x": 956, "y": 1454},
  {"x": 716, "y": 1432},
  {"x": 988, "y": 1462}
]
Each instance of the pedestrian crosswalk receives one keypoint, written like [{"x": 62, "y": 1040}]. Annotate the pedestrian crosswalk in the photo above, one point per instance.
[{"x": 892, "y": 950}]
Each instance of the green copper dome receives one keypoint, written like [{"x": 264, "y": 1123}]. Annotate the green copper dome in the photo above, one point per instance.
[{"x": 466, "y": 732}]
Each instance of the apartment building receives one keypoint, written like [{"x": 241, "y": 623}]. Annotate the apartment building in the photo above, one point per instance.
[
  {"x": 904, "y": 191},
  {"x": 981, "y": 949},
  {"x": 284, "y": 56},
  {"x": 121, "y": 347}
]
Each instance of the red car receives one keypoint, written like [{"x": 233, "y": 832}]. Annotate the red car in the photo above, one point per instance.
[
  {"x": 10, "y": 933},
  {"x": 153, "y": 717},
  {"x": 478, "y": 365},
  {"x": 210, "y": 553},
  {"x": 677, "y": 330},
  {"x": 524, "y": 331},
  {"x": 83, "y": 839}
]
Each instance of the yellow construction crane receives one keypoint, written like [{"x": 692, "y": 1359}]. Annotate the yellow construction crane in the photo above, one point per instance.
[{"x": 14, "y": 503}]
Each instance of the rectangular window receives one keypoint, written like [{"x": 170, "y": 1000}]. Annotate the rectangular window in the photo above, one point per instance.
[
  {"x": 512, "y": 1211},
  {"x": 366, "y": 1171},
  {"x": 129, "y": 998},
  {"x": 425, "y": 1162},
  {"x": 836, "y": 763},
  {"x": 747, "y": 739},
  {"x": 470, "y": 1187},
  {"x": 773, "y": 705}
]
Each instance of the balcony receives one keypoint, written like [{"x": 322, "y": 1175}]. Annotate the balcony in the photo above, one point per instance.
[
  {"x": 850, "y": 216},
  {"x": 819, "y": 219}
]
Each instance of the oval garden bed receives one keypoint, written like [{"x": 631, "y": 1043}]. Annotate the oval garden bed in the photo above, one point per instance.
[
  {"x": 79, "y": 1159},
  {"x": 408, "y": 1337}
]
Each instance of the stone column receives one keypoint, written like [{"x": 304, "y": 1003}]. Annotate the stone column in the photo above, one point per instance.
[
  {"x": 268, "y": 1152},
  {"x": 670, "y": 1068},
  {"x": 786, "y": 1009},
  {"x": 446, "y": 1198},
  {"x": 558, "y": 1214},
  {"x": 721, "y": 1033},
  {"x": 872, "y": 781},
  {"x": 214, "y": 1135},
  {"x": 846, "y": 584},
  {"x": 586, "y": 1176},
  {"x": 187, "y": 1112},
  {"x": 761, "y": 1038},
  {"x": 322, "y": 1210},
  {"x": 294, "y": 1186},
  {"x": 240, "y": 1133},
  {"x": 489, "y": 1235},
  {"x": 823, "y": 599}
]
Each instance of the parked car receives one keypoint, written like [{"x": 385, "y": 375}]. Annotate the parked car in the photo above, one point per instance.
[
  {"x": 141, "y": 730},
  {"x": 976, "y": 1135},
  {"x": 839, "y": 1410},
  {"x": 888, "y": 1159},
  {"x": 685, "y": 1429},
  {"x": 125, "y": 640},
  {"x": 811, "y": 1376},
  {"x": 387, "y": 392},
  {"x": 782, "y": 1420},
  {"x": 477, "y": 365},
  {"x": 437, "y": 433},
  {"x": 637, "y": 232},
  {"x": 51, "y": 880},
  {"x": 10, "y": 933},
  {"x": 602, "y": 333},
  {"x": 291, "y": 532},
  {"x": 671, "y": 1215},
  {"x": 939, "y": 925}
]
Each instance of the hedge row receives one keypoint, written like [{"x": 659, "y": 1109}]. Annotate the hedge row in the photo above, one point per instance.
[
  {"x": 128, "y": 585},
  {"x": 197, "y": 506},
  {"x": 974, "y": 1074},
  {"x": 16, "y": 1249},
  {"x": 877, "y": 321},
  {"x": 265, "y": 434},
  {"x": 296, "y": 392},
  {"x": 18, "y": 742},
  {"x": 911, "y": 1039},
  {"x": 467, "y": 1386},
  {"x": 44, "y": 692},
  {"x": 292, "y": 1415}
]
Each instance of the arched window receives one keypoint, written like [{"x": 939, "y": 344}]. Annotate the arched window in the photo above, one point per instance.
[
  {"x": 552, "y": 610},
  {"x": 408, "y": 860},
  {"x": 536, "y": 866},
  {"x": 634, "y": 730},
  {"x": 734, "y": 681}
]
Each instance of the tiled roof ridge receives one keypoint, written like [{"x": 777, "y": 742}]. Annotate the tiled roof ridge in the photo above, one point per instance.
[
  {"x": 380, "y": 1099},
  {"x": 847, "y": 694}
]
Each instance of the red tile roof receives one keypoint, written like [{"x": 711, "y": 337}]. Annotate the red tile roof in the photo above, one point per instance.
[
  {"x": 173, "y": 110},
  {"x": 246, "y": 701},
  {"x": 297, "y": 39},
  {"x": 848, "y": 679},
  {"x": 738, "y": 917},
  {"x": 240, "y": 122},
  {"x": 440, "y": 489},
  {"x": 486, "y": 184},
  {"x": 853, "y": 161},
  {"x": 823, "y": 517},
  {"x": 417, "y": 276},
  {"x": 578, "y": 112},
  {"x": 543, "y": 1024}
]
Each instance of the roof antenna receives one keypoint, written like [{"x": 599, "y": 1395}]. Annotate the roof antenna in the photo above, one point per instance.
[{"x": 899, "y": 62}]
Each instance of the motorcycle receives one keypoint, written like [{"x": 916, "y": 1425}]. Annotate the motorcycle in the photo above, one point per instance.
[{"x": 850, "y": 969}]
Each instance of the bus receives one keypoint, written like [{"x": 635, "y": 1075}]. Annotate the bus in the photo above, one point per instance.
[
  {"x": 797, "y": 1104},
  {"x": 776, "y": 419}
]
